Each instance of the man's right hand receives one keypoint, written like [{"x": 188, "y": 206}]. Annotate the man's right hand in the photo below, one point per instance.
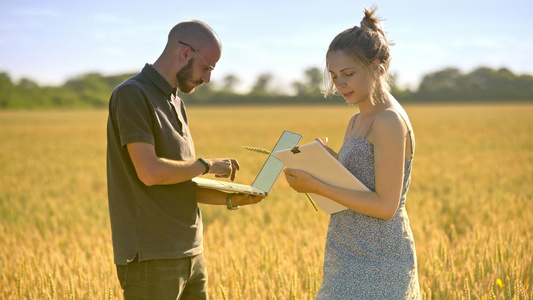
[
  {"x": 153, "y": 170},
  {"x": 223, "y": 167}
]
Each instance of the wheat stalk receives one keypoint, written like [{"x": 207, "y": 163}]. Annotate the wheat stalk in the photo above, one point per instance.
[
  {"x": 265, "y": 151},
  {"x": 259, "y": 150}
]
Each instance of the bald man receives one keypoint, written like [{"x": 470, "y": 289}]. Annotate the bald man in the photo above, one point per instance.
[{"x": 153, "y": 204}]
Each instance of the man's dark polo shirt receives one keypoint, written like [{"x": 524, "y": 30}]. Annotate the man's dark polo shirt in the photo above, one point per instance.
[{"x": 160, "y": 221}]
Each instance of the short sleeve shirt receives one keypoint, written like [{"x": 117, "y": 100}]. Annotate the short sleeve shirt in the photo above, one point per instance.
[{"x": 151, "y": 222}]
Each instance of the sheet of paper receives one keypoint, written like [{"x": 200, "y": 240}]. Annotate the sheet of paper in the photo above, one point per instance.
[{"x": 314, "y": 159}]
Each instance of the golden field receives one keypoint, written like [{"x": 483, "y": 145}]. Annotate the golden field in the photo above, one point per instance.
[{"x": 470, "y": 204}]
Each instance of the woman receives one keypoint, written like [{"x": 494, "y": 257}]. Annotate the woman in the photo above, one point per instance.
[{"x": 370, "y": 251}]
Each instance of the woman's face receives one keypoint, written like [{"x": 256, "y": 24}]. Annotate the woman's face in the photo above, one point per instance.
[{"x": 350, "y": 79}]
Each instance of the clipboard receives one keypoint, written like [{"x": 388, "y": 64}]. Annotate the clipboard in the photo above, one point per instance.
[{"x": 314, "y": 159}]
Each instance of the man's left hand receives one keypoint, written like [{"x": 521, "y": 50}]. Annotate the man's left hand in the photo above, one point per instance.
[{"x": 245, "y": 199}]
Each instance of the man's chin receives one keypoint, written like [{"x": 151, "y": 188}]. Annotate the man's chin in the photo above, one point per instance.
[{"x": 189, "y": 91}]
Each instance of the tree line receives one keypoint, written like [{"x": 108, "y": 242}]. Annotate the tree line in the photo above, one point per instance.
[{"x": 92, "y": 90}]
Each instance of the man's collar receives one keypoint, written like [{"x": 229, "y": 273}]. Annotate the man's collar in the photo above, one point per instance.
[{"x": 158, "y": 80}]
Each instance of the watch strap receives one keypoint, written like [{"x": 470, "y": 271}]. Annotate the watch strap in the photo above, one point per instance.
[
  {"x": 228, "y": 202},
  {"x": 205, "y": 163}
]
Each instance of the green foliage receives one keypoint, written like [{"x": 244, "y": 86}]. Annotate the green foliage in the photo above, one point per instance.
[
  {"x": 87, "y": 91},
  {"x": 262, "y": 85},
  {"x": 92, "y": 90},
  {"x": 311, "y": 87},
  {"x": 483, "y": 83},
  {"x": 6, "y": 88}
]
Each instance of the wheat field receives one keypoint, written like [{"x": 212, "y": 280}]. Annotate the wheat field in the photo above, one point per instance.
[{"x": 470, "y": 204}]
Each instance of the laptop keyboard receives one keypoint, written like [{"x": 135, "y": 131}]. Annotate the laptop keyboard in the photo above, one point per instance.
[{"x": 236, "y": 186}]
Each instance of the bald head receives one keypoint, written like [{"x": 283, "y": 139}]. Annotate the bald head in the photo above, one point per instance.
[
  {"x": 194, "y": 47},
  {"x": 193, "y": 32}
]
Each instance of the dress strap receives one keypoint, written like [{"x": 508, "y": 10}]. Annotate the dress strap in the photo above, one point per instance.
[
  {"x": 370, "y": 127},
  {"x": 355, "y": 118},
  {"x": 410, "y": 133},
  {"x": 409, "y": 130}
]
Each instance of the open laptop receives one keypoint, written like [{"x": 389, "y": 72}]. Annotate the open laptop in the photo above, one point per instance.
[{"x": 266, "y": 177}]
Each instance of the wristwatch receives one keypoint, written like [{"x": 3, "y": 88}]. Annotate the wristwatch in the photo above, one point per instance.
[
  {"x": 206, "y": 164},
  {"x": 228, "y": 202}
]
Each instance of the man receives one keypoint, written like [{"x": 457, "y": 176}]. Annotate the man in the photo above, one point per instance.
[{"x": 155, "y": 221}]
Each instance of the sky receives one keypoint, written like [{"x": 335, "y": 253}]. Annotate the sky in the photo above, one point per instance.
[{"x": 53, "y": 41}]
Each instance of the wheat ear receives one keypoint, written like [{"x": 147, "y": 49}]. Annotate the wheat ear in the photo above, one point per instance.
[{"x": 259, "y": 150}]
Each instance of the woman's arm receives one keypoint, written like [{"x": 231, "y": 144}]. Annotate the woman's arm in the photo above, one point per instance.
[{"x": 389, "y": 150}]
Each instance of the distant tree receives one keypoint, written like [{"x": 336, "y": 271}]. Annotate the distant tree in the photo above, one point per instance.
[
  {"x": 481, "y": 84},
  {"x": 440, "y": 81},
  {"x": 449, "y": 84},
  {"x": 229, "y": 83},
  {"x": 312, "y": 83},
  {"x": 488, "y": 84},
  {"x": 506, "y": 84},
  {"x": 87, "y": 81},
  {"x": 262, "y": 85},
  {"x": 314, "y": 78},
  {"x": 440, "y": 85},
  {"x": 92, "y": 88},
  {"x": 27, "y": 84},
  {"x": 524, "y": 87},
  {"x": 481, "y": 78},
  {"x": 115, "y": 80},
  {"x": 204, "y": 92},
  {"x": 396, "y": 91},
  {"x": 6, "y": 88},
  {"x": 300, "y": 88}
]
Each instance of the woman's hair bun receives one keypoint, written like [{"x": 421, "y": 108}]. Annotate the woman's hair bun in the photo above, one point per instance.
[
  {"x": 365, "y": 44},
  {"x": 371, "y": 21}
]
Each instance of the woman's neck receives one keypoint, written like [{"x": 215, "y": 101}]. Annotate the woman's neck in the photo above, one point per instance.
[{"x": 368, "y": 107}]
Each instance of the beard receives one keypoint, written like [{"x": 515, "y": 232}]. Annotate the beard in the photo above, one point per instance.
[{"x": 184, "y": 76}]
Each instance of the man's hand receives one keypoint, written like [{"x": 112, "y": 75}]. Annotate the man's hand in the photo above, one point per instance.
[
  {"x": 245, "y": 199},
  {"x": 223, "y": 167}
]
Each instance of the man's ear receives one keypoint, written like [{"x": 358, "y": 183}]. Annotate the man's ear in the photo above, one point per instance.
[{"x": 184, "y": 53}]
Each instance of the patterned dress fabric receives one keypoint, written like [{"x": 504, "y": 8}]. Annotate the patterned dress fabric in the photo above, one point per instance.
[{"x": 367, "y": 257}]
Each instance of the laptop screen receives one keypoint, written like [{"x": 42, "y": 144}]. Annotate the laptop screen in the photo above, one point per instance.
[{"x": 273, "y": 167}]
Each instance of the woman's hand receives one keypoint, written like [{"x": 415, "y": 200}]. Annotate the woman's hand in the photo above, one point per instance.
[
  {"x": 301, "y": 181},
  {"x": 325, "y": 145}
]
